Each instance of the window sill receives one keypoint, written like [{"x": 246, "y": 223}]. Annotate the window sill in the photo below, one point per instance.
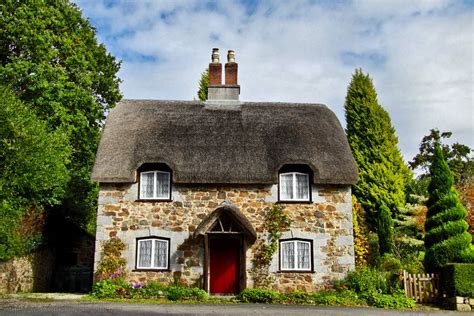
[
  {"x": 153, "y": 200},
  {"x": 293, "y": 202},
  {"x": 151, "y": 270},
  {"x": 295, "y": 271}
]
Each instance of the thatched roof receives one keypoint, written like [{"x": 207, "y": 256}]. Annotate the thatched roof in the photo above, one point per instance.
[{"x": 212, "y": 143}]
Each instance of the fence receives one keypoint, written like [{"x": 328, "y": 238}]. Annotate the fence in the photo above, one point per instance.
[{"x": 423, "y": 288}]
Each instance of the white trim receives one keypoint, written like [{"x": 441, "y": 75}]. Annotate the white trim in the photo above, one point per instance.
[
  {"x": 155, "y": 197},
  {"x": 295, "y": 254},
  {"x": 294, "y": 182},
  {"x": 152, "y": 262}
]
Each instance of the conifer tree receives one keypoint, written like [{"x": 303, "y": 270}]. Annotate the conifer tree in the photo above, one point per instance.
[
  {"x": 446, "y": 239},
  {"x": 203, "y": 84},
  {"x": 385, "y": 230},
  {"x": 383, "y": 174}
]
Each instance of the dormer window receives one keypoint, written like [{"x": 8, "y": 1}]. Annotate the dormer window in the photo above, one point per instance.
[
  {"x": 294, "y": 184},
  {"x": 155, "y": 184}
]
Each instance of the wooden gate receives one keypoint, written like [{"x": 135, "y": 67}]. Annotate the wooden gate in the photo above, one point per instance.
[{"x": 422, "y": 287}]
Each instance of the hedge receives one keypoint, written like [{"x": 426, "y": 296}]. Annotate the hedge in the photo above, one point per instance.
[{"x": 458, "y": 279}]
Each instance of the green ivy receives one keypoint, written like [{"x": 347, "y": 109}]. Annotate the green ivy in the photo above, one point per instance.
[{"x": 276, "y": 222}]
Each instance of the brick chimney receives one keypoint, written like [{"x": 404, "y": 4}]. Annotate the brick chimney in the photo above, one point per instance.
[
  {"x": 215, "y": 68},
  {"x": 218, "y": 92},
  {"x": 231, "y": 69}
]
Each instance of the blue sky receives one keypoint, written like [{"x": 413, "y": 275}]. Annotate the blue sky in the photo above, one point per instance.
[{"x": 419, "y": 53}]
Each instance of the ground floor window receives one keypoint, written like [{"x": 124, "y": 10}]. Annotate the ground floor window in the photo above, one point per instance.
[
  {"x": 153, "y": 253},
  {"x": 296, "y": 255}
]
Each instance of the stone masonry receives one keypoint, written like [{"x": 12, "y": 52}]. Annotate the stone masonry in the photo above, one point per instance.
[{"x": 327, "y": 221}]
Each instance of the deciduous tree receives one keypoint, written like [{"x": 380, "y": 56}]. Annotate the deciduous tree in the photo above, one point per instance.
[{"x": 50, "y": 57}]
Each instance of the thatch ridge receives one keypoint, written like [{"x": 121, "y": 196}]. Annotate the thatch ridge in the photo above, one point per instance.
[{"x": 203, "y": 144}]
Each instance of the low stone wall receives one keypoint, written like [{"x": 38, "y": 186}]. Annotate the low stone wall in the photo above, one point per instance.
[
  {"x": 27, "y": 274},
  {"x": 462, "y": 304}
]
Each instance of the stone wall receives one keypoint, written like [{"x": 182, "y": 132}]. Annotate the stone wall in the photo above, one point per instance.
[
  {"x": 327, "y": 221},
  {"x": 27, "y": 274}
]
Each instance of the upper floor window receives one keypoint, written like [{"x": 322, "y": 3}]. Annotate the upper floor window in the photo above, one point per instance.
[
  {"x": 296, "y": 255},
  {"x": 155, "y": 182},
  {"x": 294, "y": 186},
  {"x": 295, "y": 183},
  {"x": 152, "y": 253}
]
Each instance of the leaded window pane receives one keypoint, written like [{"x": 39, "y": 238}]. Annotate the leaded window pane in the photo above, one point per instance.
[
  {"x": 302, "y": 186},
  {"x": 147, "y": 184},
  {"x": 161, "y": 254},
  {"x": 286, "y": 186},
  {"x": 144, "y": 260},
  {"x": 162, "y": 184},
  {"x": 303, "y": 255},
  {"x": 288, "y": 255}
]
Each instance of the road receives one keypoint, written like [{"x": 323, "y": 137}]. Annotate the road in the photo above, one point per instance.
[{"x": 16, "y": 307}]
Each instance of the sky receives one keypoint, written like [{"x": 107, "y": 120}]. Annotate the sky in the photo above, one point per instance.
[{"x": 418, "y": 53}]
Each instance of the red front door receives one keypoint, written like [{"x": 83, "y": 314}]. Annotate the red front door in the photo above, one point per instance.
[{"x": 224, "y": 265}]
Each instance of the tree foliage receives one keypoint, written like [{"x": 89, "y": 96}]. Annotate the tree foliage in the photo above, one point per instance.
[
  {"x": 383, "y": 174},
  {"x": 446, "y": 239},
  {"x": 361, "y": 243},
  {"x": 385, "y": 230},
  {"x": 457, "y": 155},
  {"x": 203, "y": 84},
  {"x": 33, "y": 172},
  {"x": 50, "y": 57}
]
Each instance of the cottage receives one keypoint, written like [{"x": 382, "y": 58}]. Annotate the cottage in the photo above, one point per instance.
[{"x": 186, "y": 185}]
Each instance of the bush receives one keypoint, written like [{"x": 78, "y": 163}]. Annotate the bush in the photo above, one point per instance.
[
  {"x": 366, "y": 280},
  {"x": 153, "y": 289},
  {"x": 395, "y": 300},
  {"x": 458, "y": 279},
  {"x": 111, "y": 288},
  {"x": 340, "y": 297},
  {"x": 175, "y": 293},
  {"x": 258, "y": 296},
  {"x": 389, "y": 263}
]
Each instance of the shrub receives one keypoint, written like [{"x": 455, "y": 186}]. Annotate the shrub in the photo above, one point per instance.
[
  {"x": 458, "y": 279},
  {"x": 385, "y": 230},
  {"x": 111, "y": 288},
  {"x": 395, "y": 300},
  {"x": 296, "y": 297},
  {"x": 258, "y": 296},
  {"x": 153, "y": 289},
  {"x": 340, "y": 297},
  {"x": 389, "y": 263},
  {"x": 446, "y": 239},
  {"x": 175, "y": 293},
  {"x": 366, "y": 280}
]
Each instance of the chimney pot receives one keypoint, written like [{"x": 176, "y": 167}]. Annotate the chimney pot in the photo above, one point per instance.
[
  {"x": 231, "y": 56},
  {"x": 215, "y": 55}
]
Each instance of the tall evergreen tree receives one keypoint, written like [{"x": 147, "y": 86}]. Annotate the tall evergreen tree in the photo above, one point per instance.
[
  {"x": 50, "y": 57},
  {"x": 446, "y": 239},
  {"x": 383, "y": 174},
  {"x": 385, "y": 230},
  {"x": 203, "y": 84}
]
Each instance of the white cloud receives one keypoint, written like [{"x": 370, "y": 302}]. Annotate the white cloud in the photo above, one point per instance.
[{"x": 419, "y": 53}]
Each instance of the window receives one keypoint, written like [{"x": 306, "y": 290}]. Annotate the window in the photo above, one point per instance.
[
  {"x": 296, "y": 255},
  {"x": 155, "y": 185},
  {"x": 152, "y": 253},
  {"x": 294, "y": 186}
]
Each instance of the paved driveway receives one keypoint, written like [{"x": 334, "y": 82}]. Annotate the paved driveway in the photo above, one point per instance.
[{"x": 15, "y": 307}]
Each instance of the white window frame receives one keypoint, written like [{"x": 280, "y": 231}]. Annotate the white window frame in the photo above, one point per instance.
[
  {"x": 155, "y": 197},
  {"x": 295, "y": 261},
  {"x": 294, "y": 182},
  {"x": 152, "y": 262}
]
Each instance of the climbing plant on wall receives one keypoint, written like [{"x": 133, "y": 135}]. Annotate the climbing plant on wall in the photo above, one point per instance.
[{"x": 276, "y": 222}]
